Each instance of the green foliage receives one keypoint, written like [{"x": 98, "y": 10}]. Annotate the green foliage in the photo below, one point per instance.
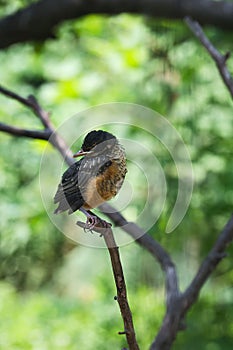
[{"x": 66, "y": 293}]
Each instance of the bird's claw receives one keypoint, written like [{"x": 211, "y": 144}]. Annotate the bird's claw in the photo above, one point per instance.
[
  {"x": 95, "y": 222},
  {"x": 91, "y": 222}
]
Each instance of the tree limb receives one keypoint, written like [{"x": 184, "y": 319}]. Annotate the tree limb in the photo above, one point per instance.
[
  {"x": 218, "y": 58},
  {"x": 38, "y": 21},
  {"x": 120, "y": 284}
]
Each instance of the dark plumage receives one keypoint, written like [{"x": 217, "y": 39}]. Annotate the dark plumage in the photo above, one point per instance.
[
  {"x": 96, "y": 137},
  {"x": 95, "y": 178}
]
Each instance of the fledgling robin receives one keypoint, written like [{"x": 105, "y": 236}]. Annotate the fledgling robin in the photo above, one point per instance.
[{"x": 95, "y": 178}]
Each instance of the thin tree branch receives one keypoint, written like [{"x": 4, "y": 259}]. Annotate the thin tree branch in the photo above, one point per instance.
[
  {"x": 11, "y": 94},
  {"x": 49, "y": 132},
  {"x": 218, "y": 58},
  {"x": 38, "y": 21},
  {"x": 31, "y": 103},
  {"x": 34, "y": 134},
  {"x": 120, "y": 284},
  {"x": 217, "y": 253},
  {"x": 151, "y": 245}
]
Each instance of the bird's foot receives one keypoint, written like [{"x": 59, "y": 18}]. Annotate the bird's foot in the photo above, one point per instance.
[
  {"x": 91, "y": 222},
  {"x": 94, "y": 222}
]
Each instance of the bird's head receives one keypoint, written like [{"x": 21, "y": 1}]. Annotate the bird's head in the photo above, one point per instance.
[{"x": 96, "y": 142}]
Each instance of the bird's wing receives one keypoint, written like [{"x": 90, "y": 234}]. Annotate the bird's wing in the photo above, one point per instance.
[{"x": 71, "y": 190}]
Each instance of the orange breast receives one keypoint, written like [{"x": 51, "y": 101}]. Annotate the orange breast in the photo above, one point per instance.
[{"x": 103, "y": 187}]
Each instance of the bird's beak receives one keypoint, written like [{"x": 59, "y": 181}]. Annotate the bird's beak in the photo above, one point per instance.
[{"x": 80, "y": 153}]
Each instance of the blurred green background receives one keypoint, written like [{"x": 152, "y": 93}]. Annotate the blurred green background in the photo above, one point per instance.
[{"x": 56, "y": 294}]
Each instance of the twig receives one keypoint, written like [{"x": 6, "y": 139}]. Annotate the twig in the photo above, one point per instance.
[
  {"x": 219, "y": 59},
  {"x": 151, "y": 245},
  {"x": 34, "y": 134},
  {"x": 49, "y": 132},
  {"x": 120, "y": 284},
  {"x": 216, "y": 254},
  {"x": 31, "y": 103}
]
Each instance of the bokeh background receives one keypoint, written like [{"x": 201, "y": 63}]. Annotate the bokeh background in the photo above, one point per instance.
[{"x": 58, "y": 294}]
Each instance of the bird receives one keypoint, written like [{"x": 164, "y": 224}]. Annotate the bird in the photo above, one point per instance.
[{"x": 95, "y": 178}]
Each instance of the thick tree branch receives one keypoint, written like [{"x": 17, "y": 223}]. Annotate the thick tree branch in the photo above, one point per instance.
[
  {"x": 120, "y": 284},
  {"x": 218, "y": 58},
  {"x": 38, "y": 20}
]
